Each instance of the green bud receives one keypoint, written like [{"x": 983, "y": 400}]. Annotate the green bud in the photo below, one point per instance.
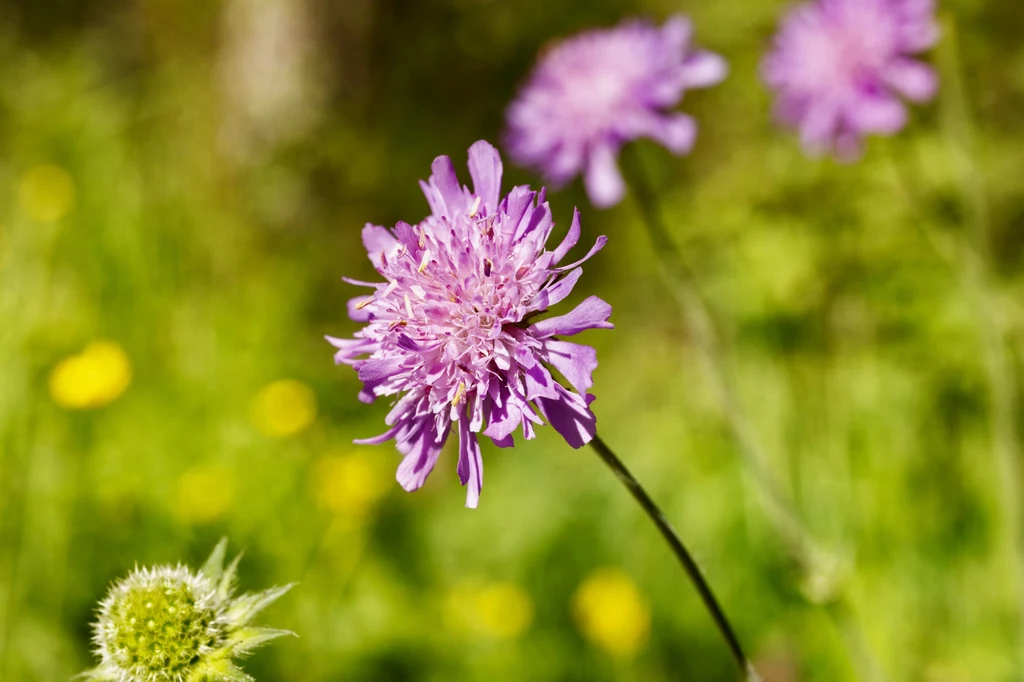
[{"x": 170, "y": 624}]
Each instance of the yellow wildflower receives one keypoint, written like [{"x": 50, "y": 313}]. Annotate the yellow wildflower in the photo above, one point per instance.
[
  {"x": 95, "y": 377},
  {"x": 284, "y": 408},
  {"x": 348, "y": 484},
  {"x": 504, "y": 610},
  {"x": 611, "y": 613},
  {"x": 501, "y": 610},
  {"x": 204, "y": 493}
]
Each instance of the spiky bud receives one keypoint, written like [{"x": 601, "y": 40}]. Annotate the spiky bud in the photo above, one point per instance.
[
  {"x": 156, "y": 622},
  {"x": 171, "y": 624}
]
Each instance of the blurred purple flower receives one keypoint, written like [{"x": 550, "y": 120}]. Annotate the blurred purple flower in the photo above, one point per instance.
[
  {"x": 453, "y": 329},
  {"x": 592, "y": 93},
  {"x": 839, "y": 67}
]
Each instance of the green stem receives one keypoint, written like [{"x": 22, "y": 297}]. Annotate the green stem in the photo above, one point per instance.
[
  {"x": 679, "y": 549},
  {"x": 701, "y": 329}
]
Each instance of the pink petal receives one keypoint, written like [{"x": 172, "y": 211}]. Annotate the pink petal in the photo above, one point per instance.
[
  {"x": 471, "y": 465},
  {"x": 602, "y": 178},
  {"x": 377, "y": 240},
  {"x": 575, "y": 361},
  {"x": 703, "y": 69},
  {"x": 593, "y": 313},
  {"x": 570, "y": 415},
  {"x": 485, "y": 168},
  {"x": 914, "y": 80}
]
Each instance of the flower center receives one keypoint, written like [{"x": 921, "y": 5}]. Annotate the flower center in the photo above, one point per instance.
[
  {"x": 156, "y": 630},
  {"x": 458, "y": 294}
]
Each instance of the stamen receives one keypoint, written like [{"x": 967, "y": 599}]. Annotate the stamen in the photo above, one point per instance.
[
  {"x": 424, "y": 261},
  {"x": 458, "y": 393},
  {"x": 408, "y": 305},
  {"x": 475, "y": 208},
  {"x": 363, "y": 304}
]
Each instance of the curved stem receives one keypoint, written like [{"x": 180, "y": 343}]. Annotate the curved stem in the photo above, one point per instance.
[
  {"x": 679, "y": 549},
  {"x": 701, "y": 328}
]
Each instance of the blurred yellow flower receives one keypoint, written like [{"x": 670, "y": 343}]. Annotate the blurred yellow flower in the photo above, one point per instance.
[
  {"x": 204, "y": 493},
  {"x": 284, "y": 408},
  {"x": 504, "y": 610},
  {"x": 611, "y": 612},
  {"x": 501, "y": 610},
  {"x": 95, "y": 377},
  {"x": 47, "y": 193},
  {"x": 348, "y": 484}
]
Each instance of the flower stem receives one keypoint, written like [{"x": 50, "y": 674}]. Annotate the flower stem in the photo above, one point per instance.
[
  {"x": 701, "y": 329},
  {"x": 679, "y": 549},
  {"x": 781, "y": 511}
]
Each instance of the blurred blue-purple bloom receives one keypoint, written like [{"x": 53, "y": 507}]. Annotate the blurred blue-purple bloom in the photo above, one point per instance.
[
  {"x": 839, "y": 68},
  {"x": 593, "y": 92},
  {"x": 453, "y": 329}
]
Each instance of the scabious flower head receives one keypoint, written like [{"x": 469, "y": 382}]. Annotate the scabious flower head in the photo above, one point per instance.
[
  {"x": 839, "y": 68},
  {"x": 592, "y": 93},
  {"x": 453, "y": 331},
  {"x": 170, "y": 624}
]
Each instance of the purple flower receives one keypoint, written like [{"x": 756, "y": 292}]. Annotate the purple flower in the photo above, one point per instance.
[
  {"x": 596, "y": 91},
  {"x": 453, "y": 331},
  {"x": 839, "y": 67}
]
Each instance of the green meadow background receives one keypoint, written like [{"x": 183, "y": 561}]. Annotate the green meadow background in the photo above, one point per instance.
[{"x": 182, "y": 186}]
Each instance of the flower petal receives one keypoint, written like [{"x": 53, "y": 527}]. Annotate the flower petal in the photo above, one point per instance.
[
  {"x": 506, "y": 442},
  {"x": 603, "y": 181},
  {"x": 598, "y": 245},
  {"x": 593, "y": 313},
  {"x": 485, "y": 168},
  {"x": 503, "y": 420},
  {"x": 357, "y": 310},
  {"x": 575, "y": 361},
  {"x": 471, "y": 465},
  {"x": 557, "y": 292},
  {"x": 443, "y": 191},
  {"x": 382, "y": 438},
  {"x": 377, "y": 240},
  {"x": 703, "y": 69},
  {"x": 538, "y": 383},
  {"x": 570, "y": 415},
  {"x": 376, "y": 369},
  {"x": 879, "y": 114},
  {"x": 421, "y": 447},
  {"x": 677, "y": 133},
  {"x": 349, "y": 350},
  {"x": 571, "y": 238},
  {"x": 677, "y": 31},
  {"x": 818, "y": 127},
  {"x": 914, "y": 80}
]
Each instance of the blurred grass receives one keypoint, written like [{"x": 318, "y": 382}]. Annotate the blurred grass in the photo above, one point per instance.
[{"x": 202, "y": 223}]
